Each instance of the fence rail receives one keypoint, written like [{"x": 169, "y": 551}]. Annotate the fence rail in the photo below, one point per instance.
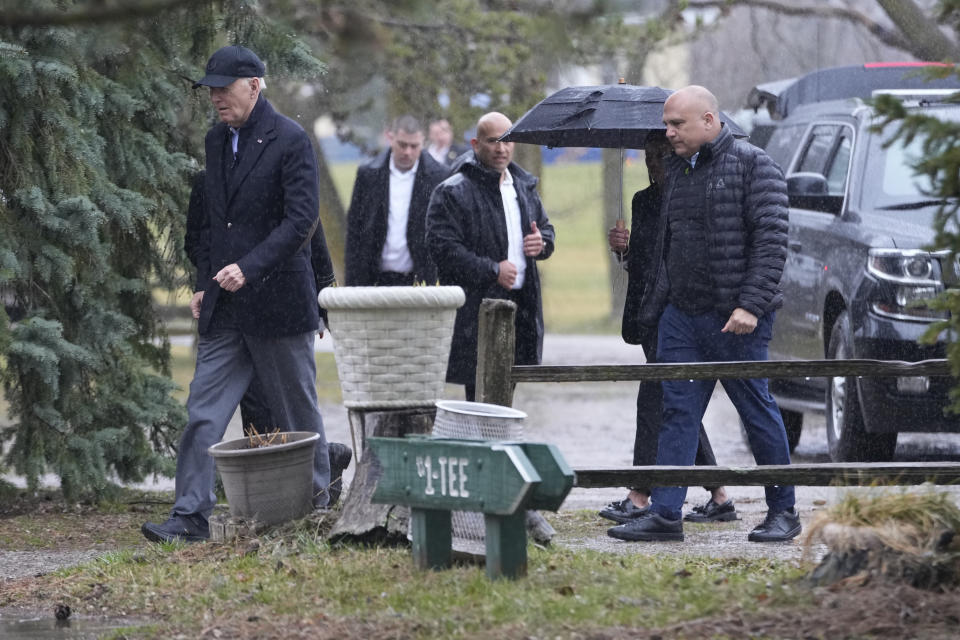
[
  {"x": 497, "y": 375},
  {"x": 807, "y": 475},
  {"x": 721, "y": 370}
]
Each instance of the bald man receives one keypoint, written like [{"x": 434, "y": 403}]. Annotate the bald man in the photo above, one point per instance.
[
  {"x": 721, "y": 246},
  {"x": 486, "y": 229}
]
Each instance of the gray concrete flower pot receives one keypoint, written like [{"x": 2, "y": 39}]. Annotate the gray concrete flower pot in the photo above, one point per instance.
[{"x": 271, "y": 484}]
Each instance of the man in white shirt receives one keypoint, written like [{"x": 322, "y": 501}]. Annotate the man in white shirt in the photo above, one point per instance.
[
  {"x": 385, "y": 221},
  {"x": 486, "y": 228}
]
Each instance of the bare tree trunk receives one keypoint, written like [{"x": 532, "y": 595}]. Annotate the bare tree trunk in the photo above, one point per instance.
[
  {"x": 530, "y": 158},
  {"x": 333, "y": 214},
  {"x": 928, "y": 41},
  {"x": 916, "y": 33}
]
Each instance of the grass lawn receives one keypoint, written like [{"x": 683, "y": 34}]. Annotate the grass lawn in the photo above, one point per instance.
[{"x": 290, "y": 582}]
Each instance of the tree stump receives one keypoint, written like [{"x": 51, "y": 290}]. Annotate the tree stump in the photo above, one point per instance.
[{"x": 360, "y": 520}]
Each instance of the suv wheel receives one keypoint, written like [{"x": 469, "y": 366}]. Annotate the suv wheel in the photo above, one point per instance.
[{"x": 847, "y": 437}]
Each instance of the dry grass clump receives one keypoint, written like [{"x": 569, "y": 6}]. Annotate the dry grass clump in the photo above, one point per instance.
[
  {"x": 903, "y": 535},
  {"x": 909, "y": 522}
]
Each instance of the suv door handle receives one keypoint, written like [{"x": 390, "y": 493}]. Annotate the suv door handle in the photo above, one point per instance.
[{"x": 795, "y": 246}]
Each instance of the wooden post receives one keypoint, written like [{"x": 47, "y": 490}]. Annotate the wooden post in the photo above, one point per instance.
[
  {"x": 432, "y": 538},
  {"x": 496, "y": 340},
  {"x": 506, "y": 541}
]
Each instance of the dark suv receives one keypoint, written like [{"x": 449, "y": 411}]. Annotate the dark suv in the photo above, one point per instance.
[{"x": 859, "y": 264}]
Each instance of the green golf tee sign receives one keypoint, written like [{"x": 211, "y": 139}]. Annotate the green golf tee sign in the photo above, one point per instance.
[{"x": 434, "y": 476}]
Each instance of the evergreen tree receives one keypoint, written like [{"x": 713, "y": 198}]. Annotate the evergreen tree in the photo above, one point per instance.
[{"x": 99, "y": 133}]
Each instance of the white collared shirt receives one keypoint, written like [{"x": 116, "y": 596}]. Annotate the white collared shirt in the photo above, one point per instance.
[
  {"x": 439, "y": 153},
  {"x": 511, "y": 210},
  {"x": 396, "y": 254}
]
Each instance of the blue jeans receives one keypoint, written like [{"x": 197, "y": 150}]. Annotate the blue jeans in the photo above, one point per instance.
[{"x": 685, "y": 338}]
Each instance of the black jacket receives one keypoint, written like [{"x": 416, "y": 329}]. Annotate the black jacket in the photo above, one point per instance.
[
  {"x": 746, "y": 228},
  {"x": 644, "y": 221},
  {"x": 261, "y": 215},
  {"x": 198, "y": 231},
  {"x": 467, "y": 236},
  {"x": 367, "y": 220}
]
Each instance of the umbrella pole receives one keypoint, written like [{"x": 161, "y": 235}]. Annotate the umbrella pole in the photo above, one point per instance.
[
  {"x": 620, "y": 222},
  {"x": 620, "y": 193}
]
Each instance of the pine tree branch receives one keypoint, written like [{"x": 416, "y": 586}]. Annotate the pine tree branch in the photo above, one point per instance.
[
  {"x": 97, "y": 13},
  {"x": 889, "y": 37}
]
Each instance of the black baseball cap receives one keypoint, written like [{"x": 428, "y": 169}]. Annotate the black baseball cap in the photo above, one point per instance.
[{"x": 228, "y": 64}]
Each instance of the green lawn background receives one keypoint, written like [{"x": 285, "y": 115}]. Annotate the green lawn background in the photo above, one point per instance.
[{"x": 576, "y": 287}]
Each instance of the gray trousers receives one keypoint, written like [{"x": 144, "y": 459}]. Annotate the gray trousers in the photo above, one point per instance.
[{"x": 226, "y": 363}]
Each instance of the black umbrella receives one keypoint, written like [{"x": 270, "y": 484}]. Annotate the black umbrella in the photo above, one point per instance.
[{"x": 612, "y": 116}]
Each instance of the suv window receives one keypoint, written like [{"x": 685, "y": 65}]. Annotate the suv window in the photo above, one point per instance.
[
  {"x": 839, "y": 164},
  {"x": 818, "y": 148},
  {"x": 782, "y": 144},
  {"x": 892, "y": 183}
]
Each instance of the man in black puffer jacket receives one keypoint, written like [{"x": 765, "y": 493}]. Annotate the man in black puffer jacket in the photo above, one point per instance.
[
  {"x": 722, "y": 243},
  {"x": 486, "y": 228}
]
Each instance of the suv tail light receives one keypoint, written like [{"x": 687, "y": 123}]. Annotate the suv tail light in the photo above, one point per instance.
[{"x": 908, "y": 279}]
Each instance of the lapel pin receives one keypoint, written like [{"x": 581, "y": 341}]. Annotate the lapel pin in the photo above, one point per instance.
[{"x": 259, "y": 141}]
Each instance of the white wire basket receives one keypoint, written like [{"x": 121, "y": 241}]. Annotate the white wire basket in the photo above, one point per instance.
[{"x": 475, "y": 420}]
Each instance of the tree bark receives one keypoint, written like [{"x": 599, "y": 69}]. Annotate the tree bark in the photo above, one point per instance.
[
  {"x": 915, "y": 32},
  {"x": 927, "y": 40}
]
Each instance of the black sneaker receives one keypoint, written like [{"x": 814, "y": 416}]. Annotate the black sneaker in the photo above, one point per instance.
[
  {"x": 177, "y": 528},
  {"x": 713, "y": 512},
  {"x": 650, "y": 527},
  {"x": 623, "y": 511},
  {"x": 340, "y": 455},
  {"x": 777, "y": 527}
]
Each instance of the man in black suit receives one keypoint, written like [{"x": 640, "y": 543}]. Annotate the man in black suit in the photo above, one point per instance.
[
  {"x": 385, "y": 222},
  {"x": 256, "y": 298},
  {"x": 440, "y": 143}
]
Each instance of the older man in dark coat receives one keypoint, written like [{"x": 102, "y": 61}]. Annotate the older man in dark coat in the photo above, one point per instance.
[
  {"x": 255, "y": 413},
  {"x": 256, "y": 298},
  {"x": 486, "y": 229},
  {"x": 385, "y": 221}
]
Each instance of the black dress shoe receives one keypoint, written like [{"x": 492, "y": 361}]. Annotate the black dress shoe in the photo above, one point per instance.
[
  {"x": 651, "y": 527},
  {"x": 777, "y": 527},
  {"x": 623, "y": 511},
  {"x": 178, "y": 528},
  {"x": 713, "y": 512},
  {"x": 340, "y": 455}
]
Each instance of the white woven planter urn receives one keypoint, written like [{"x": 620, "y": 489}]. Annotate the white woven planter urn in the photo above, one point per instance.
[{"x": 391, "y": 344}]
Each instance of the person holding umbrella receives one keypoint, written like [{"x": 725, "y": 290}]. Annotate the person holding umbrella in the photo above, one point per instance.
[
  {"x": 635, "y": 249},
  {"x": 486, "y": 229},
  {"x": 721, "y": 247}
]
